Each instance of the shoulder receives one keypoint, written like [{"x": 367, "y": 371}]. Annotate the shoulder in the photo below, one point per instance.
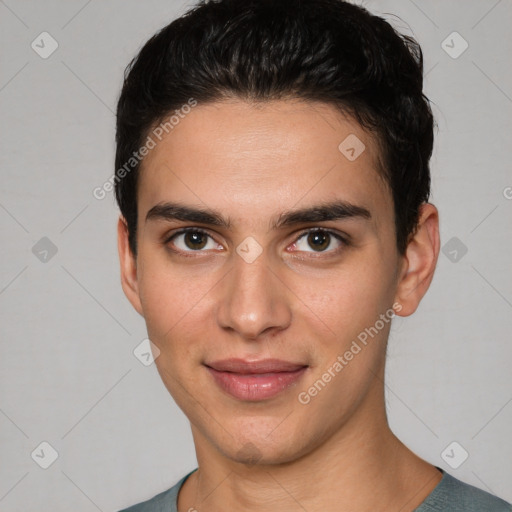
[
  {"x": 163, "y": 502},
  {"x": 455, "y": 496}
]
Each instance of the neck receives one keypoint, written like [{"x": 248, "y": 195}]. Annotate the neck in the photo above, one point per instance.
[{"x": 362, "y": 466}]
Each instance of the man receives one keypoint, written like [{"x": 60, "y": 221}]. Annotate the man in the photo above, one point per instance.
[{"x": 273, "y": 180}]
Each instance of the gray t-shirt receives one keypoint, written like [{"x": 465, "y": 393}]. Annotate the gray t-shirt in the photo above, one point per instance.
[{"x": 450, "y": 495}]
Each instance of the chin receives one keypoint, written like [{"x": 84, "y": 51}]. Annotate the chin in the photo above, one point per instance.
[{"x": 262, "y": 450}]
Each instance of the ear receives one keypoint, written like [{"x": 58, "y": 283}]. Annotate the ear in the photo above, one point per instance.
[
  {"x": 128, "y": 266},
  {"x": 419, "y": 261}
]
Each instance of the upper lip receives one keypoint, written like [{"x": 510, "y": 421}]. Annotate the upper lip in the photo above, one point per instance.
[{"x": 243, "y": 366}]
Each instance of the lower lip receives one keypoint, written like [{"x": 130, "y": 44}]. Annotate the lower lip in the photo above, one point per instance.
[{"x": 255, "y": 387}]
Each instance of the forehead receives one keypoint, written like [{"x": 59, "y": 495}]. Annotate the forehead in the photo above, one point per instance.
[{"x": 254, "y": 159}]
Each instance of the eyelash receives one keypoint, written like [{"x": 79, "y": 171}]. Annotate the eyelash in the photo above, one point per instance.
[{"x": 190, "y": 254}]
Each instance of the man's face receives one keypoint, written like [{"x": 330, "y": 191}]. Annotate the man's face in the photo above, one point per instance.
[{"x": 255, "y": 287}]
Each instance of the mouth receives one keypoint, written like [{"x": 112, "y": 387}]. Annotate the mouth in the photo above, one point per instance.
[{"x": 255, "y": 380}]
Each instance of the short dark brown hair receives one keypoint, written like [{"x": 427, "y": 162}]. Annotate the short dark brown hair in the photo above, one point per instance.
[{"x": 324, "y": 50}]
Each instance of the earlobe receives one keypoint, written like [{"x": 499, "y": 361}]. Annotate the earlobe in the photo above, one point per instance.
[
  {"x": 419, "y": 261},
  {"x": 128, "y": 264}
]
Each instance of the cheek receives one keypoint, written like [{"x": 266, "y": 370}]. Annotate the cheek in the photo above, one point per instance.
[
  {"x": 347, "y": 300},
  {"x": 175, "y": 318},
  {"x": 167, "y": 291},
  {"x": 174, "y": 306},
  {"x": 349, "y": 351}
]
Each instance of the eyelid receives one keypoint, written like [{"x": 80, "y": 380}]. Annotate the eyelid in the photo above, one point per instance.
[
  {"x": 169, "y": 238},
  {"x": 344, "y": 239},
  {"x": 181, "y": 231}
]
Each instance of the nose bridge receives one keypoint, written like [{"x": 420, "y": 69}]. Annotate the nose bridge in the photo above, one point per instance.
[{"x": 253, "y": 299}]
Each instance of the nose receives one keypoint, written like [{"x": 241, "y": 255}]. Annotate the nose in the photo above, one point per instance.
[{"x": 254, "y": 301}]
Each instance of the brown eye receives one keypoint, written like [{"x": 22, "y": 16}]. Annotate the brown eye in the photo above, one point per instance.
[
  {"x": 319, "y": 240},
  {"x": 195, "y": 240},
  {"x": 192, "y": 240}
]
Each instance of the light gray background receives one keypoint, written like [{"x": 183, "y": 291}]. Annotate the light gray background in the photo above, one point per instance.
[{"x": 68, "y": 375}]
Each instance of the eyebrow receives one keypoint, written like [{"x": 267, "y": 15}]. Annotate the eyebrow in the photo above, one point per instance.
[{"x": 336, "y": 210}]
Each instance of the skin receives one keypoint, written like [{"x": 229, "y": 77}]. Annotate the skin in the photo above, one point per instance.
[{"x": 252, "y": 162}]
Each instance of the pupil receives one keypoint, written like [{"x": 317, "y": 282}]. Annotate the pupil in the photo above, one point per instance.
[
  {"x": 318, "y": 240},
  {"x": 195, "y": 240}
]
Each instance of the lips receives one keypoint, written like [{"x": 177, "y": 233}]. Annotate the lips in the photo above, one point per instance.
[
  {"x": 246, "y": 367},
  {"x": 255, "y": 380}
]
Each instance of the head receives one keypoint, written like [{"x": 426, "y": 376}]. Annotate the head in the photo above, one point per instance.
[{"x": 292, "y": 140}]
